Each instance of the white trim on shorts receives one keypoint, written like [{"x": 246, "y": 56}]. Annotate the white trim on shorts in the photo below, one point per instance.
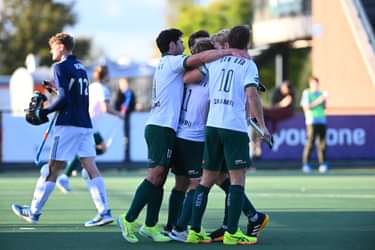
[{"x": 69, "y": 142}]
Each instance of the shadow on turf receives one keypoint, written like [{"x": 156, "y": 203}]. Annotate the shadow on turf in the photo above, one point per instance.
[{"x": 287, "y": 230}]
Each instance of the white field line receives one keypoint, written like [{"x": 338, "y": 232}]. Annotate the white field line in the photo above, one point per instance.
[{"x": 316, "y": 195}]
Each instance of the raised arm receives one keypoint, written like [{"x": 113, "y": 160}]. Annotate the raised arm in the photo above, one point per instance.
[{"x": 212, "y": 55}]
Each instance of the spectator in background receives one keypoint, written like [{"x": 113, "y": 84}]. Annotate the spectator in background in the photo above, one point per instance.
[
  {"x": 282, "y": 105},
  {"x": 313, "y": 102},
  {"x": 125, "y": 103}
]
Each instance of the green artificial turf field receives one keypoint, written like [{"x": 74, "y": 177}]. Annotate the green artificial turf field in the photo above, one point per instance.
[{"x": 332, "y": 211}]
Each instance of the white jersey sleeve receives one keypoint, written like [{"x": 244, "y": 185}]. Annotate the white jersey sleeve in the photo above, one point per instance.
[
  {"x": 251, "y": 75},
  {"x": 177, "y": 63}
]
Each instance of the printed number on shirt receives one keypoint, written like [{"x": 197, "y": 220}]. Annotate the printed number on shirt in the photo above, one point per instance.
[
  {"x": 186, "y": 99},
  {"x": 83, "y": 85},
  {"x": 226, "y": 80}
]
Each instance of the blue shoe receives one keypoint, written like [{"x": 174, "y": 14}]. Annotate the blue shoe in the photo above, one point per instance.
[
  {"x": 323, "y": 168},
  {"x": 24, "y": 212},
  {"x": 100, "y": 220},
  {"x": 306, "y": 168},
  {"x": 62, "y": 183}
]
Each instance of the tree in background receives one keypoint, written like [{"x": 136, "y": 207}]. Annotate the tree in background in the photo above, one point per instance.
[
  {"x": 190, "y": 16},
  {"x": 212, "y": 17},
  {"x": 25, "y": 27}
]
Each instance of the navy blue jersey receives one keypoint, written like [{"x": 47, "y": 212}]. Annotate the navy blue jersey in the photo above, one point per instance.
[{"x": 73, "y": 102}]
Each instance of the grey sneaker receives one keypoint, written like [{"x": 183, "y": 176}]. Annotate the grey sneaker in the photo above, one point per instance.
[
  {"x": 100, "y": 220},
  {"x": 24, "y": 212},
  {"x": 178, "y": 236}
]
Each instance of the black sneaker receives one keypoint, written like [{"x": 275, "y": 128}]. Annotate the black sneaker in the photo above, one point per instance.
[
  {"x": 254, "y": 228},
  {"x": 217, "y": 235}
]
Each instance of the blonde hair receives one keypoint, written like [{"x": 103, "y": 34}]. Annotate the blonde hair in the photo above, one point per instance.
[
  {"x": 62, "y": 38},
  {"x": 221, "y": 37}
]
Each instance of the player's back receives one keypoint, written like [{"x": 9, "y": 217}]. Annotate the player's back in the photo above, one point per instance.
[
  {"x": 71, "y": 75},
  {"x": 228, "y": 78}
]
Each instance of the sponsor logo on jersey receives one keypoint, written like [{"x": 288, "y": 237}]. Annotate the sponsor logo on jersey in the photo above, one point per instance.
[{"x": 239, "y": 162}]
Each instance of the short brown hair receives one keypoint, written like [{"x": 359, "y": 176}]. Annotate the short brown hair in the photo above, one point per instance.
[
  {"x": 62, "y": 38},
  {"x": 100, "y": 72},
  {"x": 239, "y": 37},
  {"x": 196, "y": 35},
  {"x": 202, "y": 44},
  {"x": 314, "y": 78}
]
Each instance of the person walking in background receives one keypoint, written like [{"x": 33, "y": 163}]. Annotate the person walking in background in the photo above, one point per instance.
[
  {"x": 313, "y": 102},
  {"x": 99, "y": 103},
  {"x": 73, "y": 135},
  {"x": 125, "y": 101}
]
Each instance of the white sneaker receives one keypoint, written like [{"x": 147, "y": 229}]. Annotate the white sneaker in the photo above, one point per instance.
[
  {"x": 306, "y": 168},
  {"x": 100, "y": 220},
  {"x": 178, "y": 236},
  {"x": 323, "y": 168},
  {"x": 62, "y": 183}
]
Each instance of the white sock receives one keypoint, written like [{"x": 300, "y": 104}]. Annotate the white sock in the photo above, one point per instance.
[
  {"x": 98, "y": 194},
  {"x": 254, "y": 218},
  {"x": 42, "y": 191}
]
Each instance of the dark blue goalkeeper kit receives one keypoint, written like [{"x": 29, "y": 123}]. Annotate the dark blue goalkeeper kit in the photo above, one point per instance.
[{"x": 73, "y": 99}]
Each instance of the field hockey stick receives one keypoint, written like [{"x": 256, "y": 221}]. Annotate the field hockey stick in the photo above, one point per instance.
[
  {"x": 49, "y": 87},
  {"x": 109, "y": 141},
  {"x": 254, "y": 124},
  {"x": 45, "y": 137}
]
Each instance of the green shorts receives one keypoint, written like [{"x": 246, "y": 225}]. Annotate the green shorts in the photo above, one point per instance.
[
  {"x": 226, "y": 147},
  {"x": 160, "y": 144},
  {"x": 187, "y": 158}
]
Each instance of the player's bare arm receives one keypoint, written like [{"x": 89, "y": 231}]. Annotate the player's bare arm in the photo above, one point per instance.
[
  {"x": 212, "y": 55},
  {"x": 254, "y": 107},
  {"x": 193, "y": 76},
  {"x": 107, "y": 108},
  {"x": 321, "y": 99}
]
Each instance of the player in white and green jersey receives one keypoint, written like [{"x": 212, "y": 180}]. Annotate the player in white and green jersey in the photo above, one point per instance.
[
  {"x": 160, "y": 131},
  {"x": 187, "y": 157},
  {"x": 233, "y": 95},
  {"x": 183, "y": 162},
  {"x": 254, "y": 217}
]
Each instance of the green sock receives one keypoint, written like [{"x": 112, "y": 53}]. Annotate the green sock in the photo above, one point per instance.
[
  {"x": 235, "y": 203},
  {"x": 248, "y": 209},
  {"x": 140, "y": 199},
  {"x": 153, "y": 207},
  {"x": 199, "y": 205},
  {"x": 73, "y": 165},
  {"x": 176, "y": 199},
  {"x": 225, "y": 187},
  {"x": 184, "y": 218}
]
